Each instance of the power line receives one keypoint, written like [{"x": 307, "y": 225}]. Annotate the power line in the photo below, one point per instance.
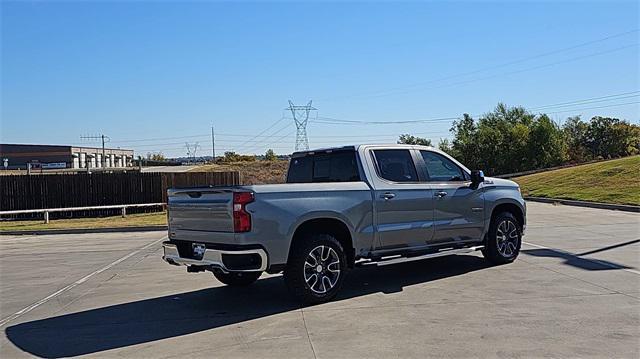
[
  {"x": 331, "y": 120},
  {"x": 591, "y": 100},
  {"x": 355, "y": 122},
  {"x": 509, "y": 72},
  {"x": 563, "y": 111},
  {"x": 597, "y": 107},
  {"x": 103, "y": 138},
  {"x": 263, "y": 141},
  {"x": 263, "y": 131},
  {"x": 251, "y": 148},
  {"x": 505, "y": 64}
]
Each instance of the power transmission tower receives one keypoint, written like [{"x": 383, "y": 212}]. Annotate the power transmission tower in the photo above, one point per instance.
[
  {"x": 192, "y": 149},
  {"x": 301, "y": 117},
  {"x": 102, "y": 137}
]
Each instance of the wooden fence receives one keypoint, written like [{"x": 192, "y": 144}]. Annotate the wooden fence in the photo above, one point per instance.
[{"x": 21, "y": 192}]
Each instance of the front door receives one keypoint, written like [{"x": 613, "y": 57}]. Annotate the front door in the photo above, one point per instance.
[
  {"x": 403, "y": 203},
  {"x": 458, "y": 208}
]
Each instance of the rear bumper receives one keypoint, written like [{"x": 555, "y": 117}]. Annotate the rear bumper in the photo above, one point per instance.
[{"x": 213, "y": 258}]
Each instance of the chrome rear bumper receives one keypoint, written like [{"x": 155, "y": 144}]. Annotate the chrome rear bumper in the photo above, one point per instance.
[{"x": 212, "y": 258}]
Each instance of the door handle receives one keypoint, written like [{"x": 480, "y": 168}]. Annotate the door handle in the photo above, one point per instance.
[
  {"x": 387, "y": 196},
  {"x": 441, "y": 194}
]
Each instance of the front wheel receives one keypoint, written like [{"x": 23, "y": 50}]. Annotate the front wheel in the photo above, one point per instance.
[
  {"x": 503, "y": 240},
  {"x": 316, "y": 269},
  {"x": 237, "y": 279}
]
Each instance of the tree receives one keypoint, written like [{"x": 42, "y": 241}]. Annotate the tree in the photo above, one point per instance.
[
  {"x": 508, "y": 139},
  {"x": 444, "y": 145},
  {"x": 270, "y": 155},
  {"x": 511, "y": 139},
  {"x": 156, "y": 156},
  {"x": 601, "y": 137},
  {"x": 412, "y": 140},
  {"x": 610, "y": 137},
  {"x": 546, "y": 145},
  {"x": 231, "y": 156},
  {"x": 575, "y": 132}
]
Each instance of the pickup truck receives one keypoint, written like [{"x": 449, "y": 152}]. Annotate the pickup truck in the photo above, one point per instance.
[{"x": 342, "y": 208}]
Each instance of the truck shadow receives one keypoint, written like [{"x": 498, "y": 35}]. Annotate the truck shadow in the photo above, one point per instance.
[
  {"x": 575, "y": 260},
  {"x": 148, "y": 320}
]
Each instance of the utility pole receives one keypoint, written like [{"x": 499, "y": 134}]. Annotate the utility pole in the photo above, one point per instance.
[
  {"x": 213, "y": 145},
  {"x": 301, "y": 117},
  {"x": 104, "y": 139}
]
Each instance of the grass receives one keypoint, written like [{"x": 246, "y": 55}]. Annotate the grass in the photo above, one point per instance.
[
  {"x": 616, "y": 181},
  {"x": 254, "y": 172},
  {"x": 132, "y": 220}
]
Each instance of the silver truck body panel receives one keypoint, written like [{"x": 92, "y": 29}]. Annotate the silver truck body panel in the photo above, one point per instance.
[{"x": 380, "y": 215}]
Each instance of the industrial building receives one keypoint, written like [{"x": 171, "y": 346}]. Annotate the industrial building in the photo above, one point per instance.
[{"x": 17, "y": 156}]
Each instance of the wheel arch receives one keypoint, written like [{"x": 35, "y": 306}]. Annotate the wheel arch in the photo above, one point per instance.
[
  {"x": 511, "y": 207},
  {"x": 330, "y": 225}
]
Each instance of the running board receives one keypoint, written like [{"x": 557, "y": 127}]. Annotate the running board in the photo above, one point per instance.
[{"x": 399, "y": 259}]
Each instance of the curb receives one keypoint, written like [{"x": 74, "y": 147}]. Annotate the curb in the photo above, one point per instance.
[
  {"x": 568, "y": 202},
  {"x": 86, "y": 230}
]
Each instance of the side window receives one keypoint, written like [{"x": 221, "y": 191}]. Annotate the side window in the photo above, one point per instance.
[
  {"x": 341, "y": 166},
  {"x": 440, "y": 168},
  {"x": 395, "y": 165}
]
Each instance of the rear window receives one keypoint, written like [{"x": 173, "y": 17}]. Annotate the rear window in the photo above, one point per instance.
[
  {"x": 324, "y": 167},
  {"x": 395, "y": 165}
]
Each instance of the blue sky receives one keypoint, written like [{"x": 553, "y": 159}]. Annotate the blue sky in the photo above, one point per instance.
[{"x": 155, "y": 75}]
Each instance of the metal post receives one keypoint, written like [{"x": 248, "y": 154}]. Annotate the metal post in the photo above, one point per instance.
[
  {"x": 213, "y": 146},
  {"x": 124, "y": 212},
  {"x": 46, "y": 217},
  {"x": 102, "y": 159}
]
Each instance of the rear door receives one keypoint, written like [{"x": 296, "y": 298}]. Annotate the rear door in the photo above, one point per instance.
[
  {"x": 403, "y": 202},
  {"x": 458, "y": 208}
]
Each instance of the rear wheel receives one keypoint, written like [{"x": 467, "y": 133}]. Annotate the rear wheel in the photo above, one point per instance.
[
  {"x": 503, "y": 240},
  {"x": 316, "y": 269},
  {"x": 237, "y": 279}
]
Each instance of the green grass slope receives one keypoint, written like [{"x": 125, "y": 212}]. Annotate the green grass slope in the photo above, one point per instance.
[{"x": 615, "y": 181}]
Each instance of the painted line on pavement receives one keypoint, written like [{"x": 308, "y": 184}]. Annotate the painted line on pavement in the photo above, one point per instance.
[{"x": 75, "y": 284}]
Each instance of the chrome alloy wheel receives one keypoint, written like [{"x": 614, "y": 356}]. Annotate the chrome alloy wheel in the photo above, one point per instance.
[
  {"x": 322, "y": 269},
  {"x": 507, "y": 237}
]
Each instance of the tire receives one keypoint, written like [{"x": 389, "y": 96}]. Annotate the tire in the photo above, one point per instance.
[
  {"x": 503, "y": 240},
  {"x": 313, "y": 282},
  {"x": 237, "y": 279}
]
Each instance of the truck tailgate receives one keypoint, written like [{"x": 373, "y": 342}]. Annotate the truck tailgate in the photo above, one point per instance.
[{"x": 201, "y": 209}]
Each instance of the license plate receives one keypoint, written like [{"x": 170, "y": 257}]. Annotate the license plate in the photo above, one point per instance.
[{"x": 198, "y": 250}]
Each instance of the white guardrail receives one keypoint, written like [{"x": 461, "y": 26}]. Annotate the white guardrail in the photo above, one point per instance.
[{"x": 123, "y": 209}]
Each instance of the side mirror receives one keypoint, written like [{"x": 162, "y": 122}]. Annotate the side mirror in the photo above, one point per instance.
[{"x": 477, "y": 177}]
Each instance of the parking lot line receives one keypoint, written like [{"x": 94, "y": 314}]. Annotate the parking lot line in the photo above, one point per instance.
[
  {"x": 75, "y": 284},
  {"x": 603, "y": 263}
]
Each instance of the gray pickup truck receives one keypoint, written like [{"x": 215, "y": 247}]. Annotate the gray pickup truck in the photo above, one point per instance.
[{"x": 342, "y": 208}]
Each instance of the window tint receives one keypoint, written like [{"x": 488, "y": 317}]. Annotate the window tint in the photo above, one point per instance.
[
  {"x": 440, "y": 168},
  {"x": 339, "y": 166},
  {"x": 395, "y": 165},
  {"x": 300, "y": 170}
]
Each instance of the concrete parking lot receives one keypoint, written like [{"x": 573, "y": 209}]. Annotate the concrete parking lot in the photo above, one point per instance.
[{"x": 573, "y": 292}]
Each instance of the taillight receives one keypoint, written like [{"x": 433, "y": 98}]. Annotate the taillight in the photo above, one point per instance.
[{"x": 241, "y": 218}]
